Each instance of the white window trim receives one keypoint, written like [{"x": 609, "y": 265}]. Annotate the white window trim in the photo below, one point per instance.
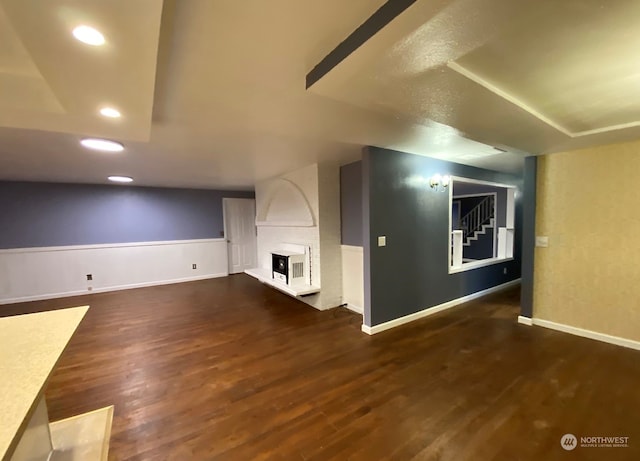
[{"x": 477, "y": 264}]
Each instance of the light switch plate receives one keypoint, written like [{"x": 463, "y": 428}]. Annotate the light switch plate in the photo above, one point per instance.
[
  {"x": 542, "y": 241},
  {"x": 382, "y": 240}
]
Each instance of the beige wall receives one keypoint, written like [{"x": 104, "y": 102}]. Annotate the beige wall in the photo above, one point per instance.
[{"x": 588, "y": 204}]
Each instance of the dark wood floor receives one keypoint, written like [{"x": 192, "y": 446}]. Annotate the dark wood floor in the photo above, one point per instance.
[{"x": 229, "y": 369}]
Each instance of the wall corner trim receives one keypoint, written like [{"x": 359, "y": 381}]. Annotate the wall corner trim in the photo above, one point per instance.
[
  {"x": 435, "y": 309},
  {"x": 525, "y": 320},
  {"x": 603, "y": 337}
]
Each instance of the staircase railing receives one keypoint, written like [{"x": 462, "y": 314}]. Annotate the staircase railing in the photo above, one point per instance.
[{"x": 480, "y": 215}]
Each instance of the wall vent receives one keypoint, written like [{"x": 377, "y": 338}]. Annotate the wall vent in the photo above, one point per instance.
[{"x": 298, "y": 270}]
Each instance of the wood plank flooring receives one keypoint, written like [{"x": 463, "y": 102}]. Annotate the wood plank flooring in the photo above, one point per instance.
[{"x": 229, "y": 369}]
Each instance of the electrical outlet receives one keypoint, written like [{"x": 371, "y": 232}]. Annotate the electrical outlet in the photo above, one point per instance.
[
  {"x": 194, "y": 266},
  {"x": 542, "y": 241},
  {"x": 89, "y": 277}
]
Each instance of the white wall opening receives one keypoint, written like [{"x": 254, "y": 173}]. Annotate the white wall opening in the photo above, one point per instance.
[{"x": 481, "y": 223}]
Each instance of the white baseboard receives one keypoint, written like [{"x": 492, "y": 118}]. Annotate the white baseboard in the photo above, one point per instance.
[
  {"x": 525, "y": 320},
  {"x": 435, "y": 309},
  {"x": 617, "y": 340},
  {"x": 107, "y": 289},
  {"x": 356, "y": 309},
  {"x": 368, "y": 330}
]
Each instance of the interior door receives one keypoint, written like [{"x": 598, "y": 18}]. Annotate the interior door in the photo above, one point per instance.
[{"x": 240, "y": 232}]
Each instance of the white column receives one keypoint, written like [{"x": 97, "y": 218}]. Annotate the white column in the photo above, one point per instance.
[{"x": 456, "y": 245}]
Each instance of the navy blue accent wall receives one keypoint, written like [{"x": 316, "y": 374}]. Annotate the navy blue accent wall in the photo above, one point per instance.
[
  {"x": 528, "y": 236},
  {"x": 52, "y": 214},
  {"x": 482, "y": 248},
  {"x": 411, "y": 273},
  {"x": 456, "y": 215},
  {"x": 351, "y": 203}
]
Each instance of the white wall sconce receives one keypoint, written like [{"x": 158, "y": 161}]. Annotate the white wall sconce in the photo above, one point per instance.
[{"x": 439, "y": 182}]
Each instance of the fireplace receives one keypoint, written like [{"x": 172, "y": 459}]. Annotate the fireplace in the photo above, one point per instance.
[{"x": 288, "y": 267}]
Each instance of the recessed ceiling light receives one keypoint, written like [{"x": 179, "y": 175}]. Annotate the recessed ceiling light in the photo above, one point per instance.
[
  {"x": 102, "y": 144},
  {"x": 120, "y": 179},
  {"x": 110, "y": 112},
  {"x": 88, "y": 35}
]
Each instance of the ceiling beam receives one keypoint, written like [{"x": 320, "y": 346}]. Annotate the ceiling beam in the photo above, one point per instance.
[{"x": 383, "y": 16}]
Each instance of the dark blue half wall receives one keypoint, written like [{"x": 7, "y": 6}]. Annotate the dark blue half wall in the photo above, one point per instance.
[
  {"x": 351, "y": 203},
  {"x": 51, "y": 214},
  {"x": 410, "y": 273}
]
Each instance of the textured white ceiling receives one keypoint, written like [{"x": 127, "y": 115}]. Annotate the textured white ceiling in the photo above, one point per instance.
[
  {"x": 215, "y": 97},
  {"x": 579, "y": 71},
  {"x": 536, "y": 76}
]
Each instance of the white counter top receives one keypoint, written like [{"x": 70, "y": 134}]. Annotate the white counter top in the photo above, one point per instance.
[{"x": 30, "y": 346}]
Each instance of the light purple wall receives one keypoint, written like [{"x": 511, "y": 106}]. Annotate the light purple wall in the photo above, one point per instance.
[
  {"x": 351, "y": 203},
  {"x": 51, "y": 214}
]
